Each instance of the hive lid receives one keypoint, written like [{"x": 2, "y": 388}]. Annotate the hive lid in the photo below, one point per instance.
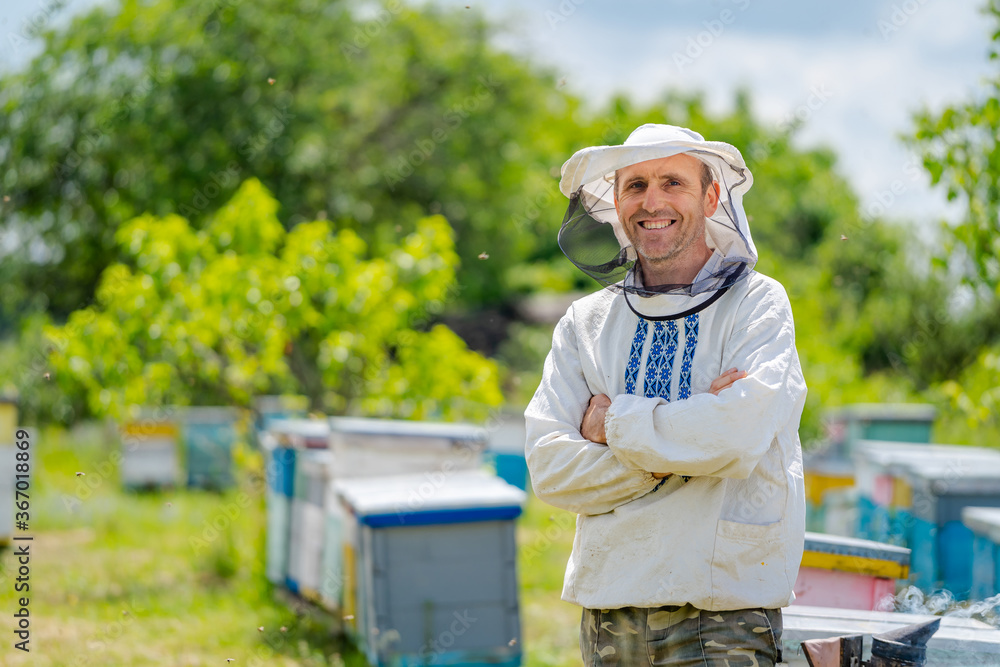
[
  {"x": 406, "y": 429},
  {"x": 983, "y": 520},
  {"x": 852, "y": 546},
  {"x": 430, "y": 498},
  {"x": 963, "y": 475},
  {"x": 905, "y": 454},
  {"x": 850, "y": 554},
  {"x": 300, "y": 432}
]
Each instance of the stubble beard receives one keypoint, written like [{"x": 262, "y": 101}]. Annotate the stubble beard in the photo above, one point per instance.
[{"x": 664, "y": 259}]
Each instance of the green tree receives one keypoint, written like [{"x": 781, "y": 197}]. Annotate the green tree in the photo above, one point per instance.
[
  {"x": 370, "y": 116},
  {"x": 960, "y": 147},
  {"x": 242, "y": 307}
]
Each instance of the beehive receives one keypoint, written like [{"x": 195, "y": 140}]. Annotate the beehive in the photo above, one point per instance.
[{"x": 430, "y": 568}]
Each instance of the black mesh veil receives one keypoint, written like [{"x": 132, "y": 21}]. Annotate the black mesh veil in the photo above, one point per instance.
[
  {"x": 593, "y": 238},
  {"x": 592, "y": 245}
]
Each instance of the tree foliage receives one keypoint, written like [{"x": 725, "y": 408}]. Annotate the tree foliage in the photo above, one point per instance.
[
  {"x": 960, "y": 147},
  {"x": 242, "y": 307},
  {"x": 371, "y": 117}
]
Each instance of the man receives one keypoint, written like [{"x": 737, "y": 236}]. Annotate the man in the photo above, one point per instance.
[{"x": 667, "y": 415}]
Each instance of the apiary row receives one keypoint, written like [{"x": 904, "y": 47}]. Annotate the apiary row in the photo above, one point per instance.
[
  {"x": 395, "y": 528},
  {"x": 882, "y": 479}
]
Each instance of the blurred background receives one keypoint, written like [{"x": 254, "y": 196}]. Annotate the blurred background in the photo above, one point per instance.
[{"x": 356, "y": 202}]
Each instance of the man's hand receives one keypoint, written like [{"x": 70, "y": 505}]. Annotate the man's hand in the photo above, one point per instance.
[
  {"x": 725, "y": 380},
  {"x": 592, "y": 427}
]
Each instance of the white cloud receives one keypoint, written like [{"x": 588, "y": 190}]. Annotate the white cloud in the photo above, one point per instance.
[{"x": 935, "y": 55}]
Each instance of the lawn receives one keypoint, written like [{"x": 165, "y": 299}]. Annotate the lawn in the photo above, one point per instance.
[{"x": 177, "y": 577}]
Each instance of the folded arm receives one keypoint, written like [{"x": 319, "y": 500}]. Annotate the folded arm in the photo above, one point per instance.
[
  {"x": 567, "y": 469},
  {"x": 597, "y": 412},
  {"x": 720, "y": 435}
]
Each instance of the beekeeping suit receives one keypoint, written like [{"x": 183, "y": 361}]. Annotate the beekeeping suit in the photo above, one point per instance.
[{"x": 725, "y": 530}]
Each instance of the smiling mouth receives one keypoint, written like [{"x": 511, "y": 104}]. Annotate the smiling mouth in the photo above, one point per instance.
[{"x": 656, "y": 224}]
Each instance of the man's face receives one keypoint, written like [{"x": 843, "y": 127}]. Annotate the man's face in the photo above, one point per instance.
[{"x": 662, "y": 206}]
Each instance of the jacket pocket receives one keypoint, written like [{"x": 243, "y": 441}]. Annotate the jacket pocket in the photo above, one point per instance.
[{"x": 748, "y": 566}]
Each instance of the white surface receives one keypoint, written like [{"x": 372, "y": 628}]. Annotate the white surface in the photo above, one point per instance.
[
  {"x": 427, "y": 492},
  {"x": 983, "y": 521},
  {"x": 406, "y": 429},
  {"x": 375, "y": 459},
  {"x": 278, "y": 518},
  {"x": 313, "y": 538},
  {"x": 299, "y": 432},
  {"x": 296, "y": 540},
  {"x": 154, "y": 463}
]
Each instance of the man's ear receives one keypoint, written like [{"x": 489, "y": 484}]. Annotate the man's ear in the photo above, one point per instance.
[{"x": 711, "y": 199}]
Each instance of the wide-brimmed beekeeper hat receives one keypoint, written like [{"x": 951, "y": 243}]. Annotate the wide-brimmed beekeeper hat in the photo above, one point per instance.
[{"x": 593, "y": 238}]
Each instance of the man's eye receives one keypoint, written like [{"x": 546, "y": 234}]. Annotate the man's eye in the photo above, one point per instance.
[{"x": 636, "y": 185}]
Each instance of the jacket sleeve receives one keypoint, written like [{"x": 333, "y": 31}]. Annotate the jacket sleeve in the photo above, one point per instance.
[
  {"x": 567, "y": 470},
  {"x": 724, "y": 435}
]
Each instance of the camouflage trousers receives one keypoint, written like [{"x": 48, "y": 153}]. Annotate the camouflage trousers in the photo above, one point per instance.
[{"x": 680, "y": 636}]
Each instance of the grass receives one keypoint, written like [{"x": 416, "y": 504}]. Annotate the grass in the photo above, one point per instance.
[{"x": 177, "y": 577}]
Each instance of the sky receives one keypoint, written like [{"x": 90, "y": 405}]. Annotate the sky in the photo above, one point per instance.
[{"x": 854, "y": 72}]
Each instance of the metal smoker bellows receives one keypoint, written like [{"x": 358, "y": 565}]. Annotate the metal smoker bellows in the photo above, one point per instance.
[{"x": 904, "y": 647}]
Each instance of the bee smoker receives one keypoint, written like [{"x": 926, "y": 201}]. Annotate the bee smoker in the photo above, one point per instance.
[{"x": 905, "y": 647}]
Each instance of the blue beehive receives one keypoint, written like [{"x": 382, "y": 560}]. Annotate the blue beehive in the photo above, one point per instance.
[
  {"x": 942, "y": 545},
  {"x": 881, "y": 505},
  {"x": 984, "y": 522},
  {"x": 885, "y": 511},
  {"x": 430, "y": 568},
  {"x": 280, "y": 479},
  {"x": 377, "y": 447},
  {"x": 283, "y": 444},
  {"x": 506, "y": 448},
  {"x": 829, "y": 473},
  {"x": 209, "y": 434}
]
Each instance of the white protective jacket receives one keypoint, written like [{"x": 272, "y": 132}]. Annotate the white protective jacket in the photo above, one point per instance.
[{"x": 731, "y": 535}]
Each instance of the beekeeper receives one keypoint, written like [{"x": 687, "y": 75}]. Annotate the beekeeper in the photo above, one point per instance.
[{"x": 667, "y": 416}]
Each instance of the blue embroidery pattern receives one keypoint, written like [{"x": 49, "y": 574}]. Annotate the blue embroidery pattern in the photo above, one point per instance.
[
  {"x": 660, "y": 363},
  {"x": 632, "y": 370},
  {"x": 690, "y": 342}
]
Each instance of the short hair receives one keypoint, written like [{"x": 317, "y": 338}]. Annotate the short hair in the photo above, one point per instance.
[{"x": 706, "y": 178}]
